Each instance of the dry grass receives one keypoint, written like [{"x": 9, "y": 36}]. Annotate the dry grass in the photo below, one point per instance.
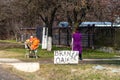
[
  {"x": 9, "y": 54},
  {"x": 69, "y": 72}
]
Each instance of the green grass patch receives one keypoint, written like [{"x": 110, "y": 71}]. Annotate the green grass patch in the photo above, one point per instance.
[
  {"x": 50, "y": 54},
  {"x": 86, "y": 53},
  {"x": 10, "y": 41},
  {"x": 94, "y": 54},
  {"x": 18, "y": 49}
]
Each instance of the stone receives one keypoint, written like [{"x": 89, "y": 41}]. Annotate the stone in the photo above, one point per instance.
[{"x": 26, "y": 66}]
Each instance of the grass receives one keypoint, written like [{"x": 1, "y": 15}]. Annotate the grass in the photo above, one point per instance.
[
  {"x": 20, "y": 52},
  {"x": 62, "y": 72},
  {"x": 12, "y": 53},
  {"x": 87, "y": 53},
  {"x": 11, "y": 41},
  {"x": 94, "y": 54},
  {"x": 49, "y": 54},
  {"x": 69, "y": 72}
]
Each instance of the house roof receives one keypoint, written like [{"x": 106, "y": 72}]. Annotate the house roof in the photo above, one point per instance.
[
  {"x": 90, "y": 24},
  {"x": 98, "y": 24},
  {"x": 63, "y": 24}
]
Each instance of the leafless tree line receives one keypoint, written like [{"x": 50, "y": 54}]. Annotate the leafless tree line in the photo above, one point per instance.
[{"x": 15, "y": 14}]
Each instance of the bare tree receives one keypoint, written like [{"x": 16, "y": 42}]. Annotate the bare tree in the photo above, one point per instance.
[
  {"x": 46, "y": 10},
  {"x": 76, "y": 11}
]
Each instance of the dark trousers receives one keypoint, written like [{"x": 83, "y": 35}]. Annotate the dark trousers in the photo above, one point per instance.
[{"x": 80, "y": 56}]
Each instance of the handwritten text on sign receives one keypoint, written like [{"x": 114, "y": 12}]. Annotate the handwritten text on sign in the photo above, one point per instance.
[{"x": 66, "y": 57}]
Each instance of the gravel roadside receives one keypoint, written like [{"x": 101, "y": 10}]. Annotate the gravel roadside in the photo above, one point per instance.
[{"x": 6, "y": 75}]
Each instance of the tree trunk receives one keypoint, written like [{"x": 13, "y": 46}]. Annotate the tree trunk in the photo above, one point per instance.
[
  {"x": 49, "y": 45},
  {"x": 44, "y": 38}
]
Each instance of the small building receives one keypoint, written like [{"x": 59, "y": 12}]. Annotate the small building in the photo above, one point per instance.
[
  {"x": 25, "y": 33},
  {"x": 97, "y": 34},
  {"x": 94, "y": 34}
]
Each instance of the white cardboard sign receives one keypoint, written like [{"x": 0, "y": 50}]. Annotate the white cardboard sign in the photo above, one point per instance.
[{"x": 66, "y": 57}]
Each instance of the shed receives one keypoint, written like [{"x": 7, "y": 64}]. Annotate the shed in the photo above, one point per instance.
[
  {"x": 26, "y": 33},
  {"x": 100, "y": 33}
]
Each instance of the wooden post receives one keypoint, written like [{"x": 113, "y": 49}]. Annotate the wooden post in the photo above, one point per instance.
[
  {"x": 67, "y": 37},
  {"x": 88, "y": 36},
  {"x": 93, "y": 26},
  {"x": 59, "y": 36}
]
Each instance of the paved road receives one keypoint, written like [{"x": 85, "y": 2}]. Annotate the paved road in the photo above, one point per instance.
[
  {"x": 51, "y": 61},
  {"x": 5, "y": 75},
  {"x": 87, "y": 61}
]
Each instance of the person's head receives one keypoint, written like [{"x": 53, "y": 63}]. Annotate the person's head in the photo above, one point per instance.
[
  {"x": 31, "y": 36},
  {"x": 77, "y": 29}
]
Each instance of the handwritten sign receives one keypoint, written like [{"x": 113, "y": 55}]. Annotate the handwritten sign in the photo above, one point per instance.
[{"x": 66, "y": 57}]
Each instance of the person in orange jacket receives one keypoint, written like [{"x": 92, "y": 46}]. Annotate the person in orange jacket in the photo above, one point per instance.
[
  {"x": 35, "y": 43},
  {"x": 31, "y": 39},
  {"x": 28, "y": 42}
]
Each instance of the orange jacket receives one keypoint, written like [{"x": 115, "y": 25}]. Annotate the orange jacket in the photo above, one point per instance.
[
  {"x": 35, "y": 44},
  {"x": 31, "y": 39}
]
